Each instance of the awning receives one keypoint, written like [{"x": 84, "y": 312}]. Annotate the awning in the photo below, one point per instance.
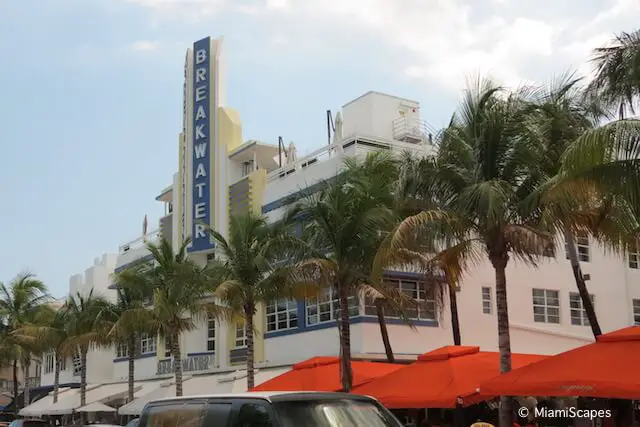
[
  {"x": 323, "y": 374},
  {"x": 237, "y": 381},
  {"x": 36, "y": 408},
  {"x": 607, "y": 368},
  {"x": 440, "y": 377},
  {"x": 96, "y": 407}
]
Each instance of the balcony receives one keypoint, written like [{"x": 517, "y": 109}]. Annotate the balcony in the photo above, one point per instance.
[
  {"x": 140, "y": 242},
  {"x": 411, "y": 130}
]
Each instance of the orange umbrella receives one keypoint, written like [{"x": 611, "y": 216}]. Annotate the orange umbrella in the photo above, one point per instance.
[
  {"x": 607, "y": 368},
  {"x": 440, "y": 377},
  {"x": 323, "y": 374}
]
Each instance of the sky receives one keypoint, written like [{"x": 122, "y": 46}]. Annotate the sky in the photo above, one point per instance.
[{"x": 91, "y": 92}]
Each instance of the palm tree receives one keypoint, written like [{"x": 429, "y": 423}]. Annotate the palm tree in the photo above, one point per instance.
[
  {"x": 251, "y": 271},
  {"x": 617, "y": 80},
  {"x": 339, "y": 226},
  {"x": 181, "y": 298},
  {"x": 555, "y": 116},
  {"x": 126, "y": 320},
  {"x": 481, "y": 178},
  {"x": 53, "y": 335},
  {"x": 20, "y": 302},
  {"x": 83, "y": 314}
]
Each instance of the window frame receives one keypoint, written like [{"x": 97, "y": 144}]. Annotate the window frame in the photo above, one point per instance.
[
  {"x": 546, "y": 306},
  {"x": 633, "y": 257},
  {"x": 487, "y": 300},
  {"x": 242, "y": 339},
  {"x": 583, "y": 247},
  {"x": 211, "y": 338},
  {"x": 151, "y": 343},
  {"x": 426, "y": 302},
  {"x": 635, "y": 307},
  {"x": 580, "y": 312},
  {"x": 327, "y": 298},
  {"x": 274, "y": 311}
]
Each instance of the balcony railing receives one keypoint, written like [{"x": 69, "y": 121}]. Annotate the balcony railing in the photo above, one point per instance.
[
  {"x": 411, "y": 130},
  {"x": 140, "y": 242}
]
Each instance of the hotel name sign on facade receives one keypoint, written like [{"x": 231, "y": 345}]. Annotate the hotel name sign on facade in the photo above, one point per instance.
[{"x": 202, "y": 142}]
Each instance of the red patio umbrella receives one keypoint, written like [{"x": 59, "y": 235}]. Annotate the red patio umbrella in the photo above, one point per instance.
[
  {"x": 440, "y": 377},
  {"x": 608, "y": 368},
  {"x": 323, "y": 374}
]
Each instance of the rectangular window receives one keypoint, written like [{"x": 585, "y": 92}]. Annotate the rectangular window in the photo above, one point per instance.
[
  {"x": 241, "y": 336},
  {"x": 326, "y": 307},
  {"x": 487, "y": 301},
  {"x": 121, "y": 351},
  {"x": 578, "y": 313},
  {"x": 77, "y": 364},
  {"x": 211, "y": 335},
  {"x": 634, "y": 256},
  {"x": 425, "y": 309},
  {"x": 63, "y": 363},
  {"x": 167, "y": 348},
  {"x": 546, "y": 306},
  {"x": 148, "y": 344},
  {"x": 191, "y": 414},
  {"x": 582, "y": 247},
  {"x": 281, "y": 315},
  {"x": 636, "y": 312},
  {"x": 49, "y": 363}
]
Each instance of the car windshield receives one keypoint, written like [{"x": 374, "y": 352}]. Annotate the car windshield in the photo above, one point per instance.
[
  {"x": 133, "y": 423},
  {"x": 334, "y": 413}
]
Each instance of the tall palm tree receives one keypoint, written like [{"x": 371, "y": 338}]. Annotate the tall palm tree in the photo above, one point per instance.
[
  {"x": 125, "y": 321},
  {"x": 555, "y": 115},
  {"x": 339, "y": 226},
  {"x": 181, "y": 298},
  {"x": 20, "y": 301},
  {"x": 53, "y": 335},
  {"x": 481, "y": 176},
  {"x": 617, "y": 80},
  {"x": 251, "y": 271},
  {"x": 83, "y": 314}
]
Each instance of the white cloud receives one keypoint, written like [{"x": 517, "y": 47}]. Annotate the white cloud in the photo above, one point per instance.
[
  {"x": 144, "y": 46},
  {"x": 441, "y": 41}
]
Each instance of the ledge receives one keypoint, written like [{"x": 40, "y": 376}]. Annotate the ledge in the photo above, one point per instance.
[
  {"x": 126, "y": 359},
  {"x": 354, "y": 320}
]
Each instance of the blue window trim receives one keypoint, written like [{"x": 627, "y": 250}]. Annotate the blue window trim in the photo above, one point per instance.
[{"x": 143, "y": 356}]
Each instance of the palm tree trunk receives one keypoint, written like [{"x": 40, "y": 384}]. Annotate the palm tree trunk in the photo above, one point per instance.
[
  {"x": 587, "y": 304},
  {"x": 83, "y": 381},
  {"x": 383, "y": 331},
  {"x": 56, "y": 379},
  {"x": 25, "y": 374},
  {"x": 346, "y": 374},
  {"x": 131, "y": 347},
  {"x": 15, "y": 388},
  {"x": 177, "y": 362},
  {"x": 504, "y": 340},
  {"x": 455, "y": 320},
  {"x": 250, "y": 350}
]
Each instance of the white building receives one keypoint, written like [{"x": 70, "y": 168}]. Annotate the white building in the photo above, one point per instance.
[
  {"x": 546, "y": 315},
  {"x": 96, "y": 278}
]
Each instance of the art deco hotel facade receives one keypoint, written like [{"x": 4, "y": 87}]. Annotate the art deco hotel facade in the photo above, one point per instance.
[{"x": 220, "y": 175}]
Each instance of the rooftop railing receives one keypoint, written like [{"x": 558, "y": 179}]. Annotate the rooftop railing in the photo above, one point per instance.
[{"x": 141, "y": 241}]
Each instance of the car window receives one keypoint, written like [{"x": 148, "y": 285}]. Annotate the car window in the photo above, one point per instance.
[
  {"x": 133, "y": 423},
  {"x": 34, "y": 423},
  {"x": 188, "y": 414},
  {"x": 15, "y": 423},
  {"x": 334, "y": 413},
  {"x": 253, "y": 415}
]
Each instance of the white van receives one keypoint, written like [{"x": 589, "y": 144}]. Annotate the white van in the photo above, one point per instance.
[{"x": 275, "y": 409}]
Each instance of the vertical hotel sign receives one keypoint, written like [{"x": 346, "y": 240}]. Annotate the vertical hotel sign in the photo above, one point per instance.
[{"x": 202, "y": 144}]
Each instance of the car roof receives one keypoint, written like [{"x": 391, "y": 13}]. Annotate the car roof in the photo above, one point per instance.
[{"x": 269, "y": 396}]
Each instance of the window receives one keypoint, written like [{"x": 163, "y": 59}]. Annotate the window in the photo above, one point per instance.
[
  {"x": 241, "y": 336},
  {"x": 121, "y": 351},
  {"x": 281, "y": 315},
  {"x": 636, "y": 312},
  {"x": 167, "y": 347},
  {"x": 190, "y": 414},
  {"x": 426, "y": 308},
  {"x": 487, "y": 301},
  {"x": 148, "y": 344},
  {"x": 77, "y": 364},
  {"x": 253, "y": 415},
  {"x": 326, "y": 307},
  {"x": 582, "y": 246},
  {"x": 546, "y": 306},
  {"x": 211, "y": 335},
  {"x": 578, "y": 313},
  {"x": 634, "y": 256},
  {"x": 49, "y": 363},
  {"x": 63, "y": 363},
  {"x": 247, "y": 168},
  {"x": 334, "y": 413}
]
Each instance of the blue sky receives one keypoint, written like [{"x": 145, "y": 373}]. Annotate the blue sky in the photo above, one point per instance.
[{"x": 91, "y": 91}]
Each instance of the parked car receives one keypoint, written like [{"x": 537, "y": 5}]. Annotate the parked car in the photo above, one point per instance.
[
  {"x": 276, "y": 409},
  {"x": 29, "y": 423}
]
